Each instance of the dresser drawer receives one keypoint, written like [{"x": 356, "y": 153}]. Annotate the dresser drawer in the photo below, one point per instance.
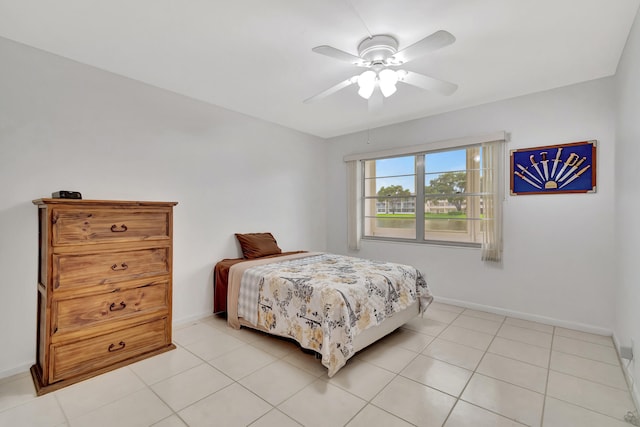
[
  {"x": 73, "y": 271},
  {"x": 80, "y": 314},
  {"x": 95, "y": 225},
  {"x": 68, "y": 360}
]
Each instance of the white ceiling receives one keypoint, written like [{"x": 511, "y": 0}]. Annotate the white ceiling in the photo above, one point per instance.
[{"x": 254, "y": 56}]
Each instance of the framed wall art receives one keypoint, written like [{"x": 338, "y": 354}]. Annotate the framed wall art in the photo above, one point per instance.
[{"x": 554, "y": 169}]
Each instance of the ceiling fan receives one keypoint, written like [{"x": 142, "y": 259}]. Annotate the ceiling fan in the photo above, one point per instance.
[{"x": 380, "y": 55}]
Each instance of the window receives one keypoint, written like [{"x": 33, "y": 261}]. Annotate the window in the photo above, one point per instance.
[
  {"x": 447, "y": 192},
  {"x": 443, "y": 188},
  {"x": 390, "y": 198}
]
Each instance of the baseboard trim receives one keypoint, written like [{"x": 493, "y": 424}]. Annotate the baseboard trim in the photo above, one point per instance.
[
  {"x": 528, "y": 316},
  {"x": 193, "y": 318},
  {"x": 627, "y": 369},
  {"x": 20, "y": 369}
]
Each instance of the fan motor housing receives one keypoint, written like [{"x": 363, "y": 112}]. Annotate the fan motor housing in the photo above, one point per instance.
[{"x": 378, "y": 48}]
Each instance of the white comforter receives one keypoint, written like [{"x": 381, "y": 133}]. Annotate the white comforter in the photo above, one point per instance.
[{"x": 323, "y": 300}]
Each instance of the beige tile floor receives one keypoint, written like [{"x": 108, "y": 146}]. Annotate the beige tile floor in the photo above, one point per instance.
[{"x": 454, "y": 367}]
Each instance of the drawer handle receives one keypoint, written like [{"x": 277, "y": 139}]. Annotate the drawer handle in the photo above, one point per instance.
[
  {"x": 113, "y": 306},
  {"x": 113, "y": 347},
  {"x": 120, "y": 229},
  {"x": 122, "y": 267}
]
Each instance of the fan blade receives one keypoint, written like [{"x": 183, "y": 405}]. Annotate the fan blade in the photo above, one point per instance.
[
  {"x": 332, "y": 90},
  {"x": 429, "y": 83},
  {"x": 338, "y": 54},
  {"x": 375, "y": 101},
  {"x": 428, "y": 44}
]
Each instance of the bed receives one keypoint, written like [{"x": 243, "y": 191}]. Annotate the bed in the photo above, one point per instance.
[{"x": 332, "y": 304}]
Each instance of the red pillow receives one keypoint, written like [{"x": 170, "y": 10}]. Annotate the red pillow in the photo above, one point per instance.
[{"x": 256, "y": 245}]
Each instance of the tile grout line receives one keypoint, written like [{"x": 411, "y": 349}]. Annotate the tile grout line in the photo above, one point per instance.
[
  {"x": 206, "y": 362},
  {"x": 15, "y": 378},
  {"x": 470, "y": 376},
  {"x": 273, "y": 407},
  {"x": 176, "y": 413},
  {"x": 148, "y": 386},
  {"x": 459, "y": 397},
  {"x": 580, "y": 378},
  {"x": 546, "y": 385},
  {"x": 397, "y": 374},
  {"x": 64, "y": 413},
  {"x": 370, "y": 401},
  {"x": 126, "y": 367}
]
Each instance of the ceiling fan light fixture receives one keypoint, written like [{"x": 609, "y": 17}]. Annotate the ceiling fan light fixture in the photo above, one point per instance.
[
  {"x": 367, "y": 83},
  {"x": 378, "y": 48},
  {"x": 387, "y": 80},
  {"x": 388, "y": 90},
  {"x": 379, "y": 53}
]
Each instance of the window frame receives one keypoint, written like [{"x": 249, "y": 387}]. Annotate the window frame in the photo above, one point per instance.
[
  {"x": 420, "y": 199},
  {"x": 492, "y": 246}
]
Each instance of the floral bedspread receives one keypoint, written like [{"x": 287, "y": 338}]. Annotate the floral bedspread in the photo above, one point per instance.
[{"x": 323, "y": 301}]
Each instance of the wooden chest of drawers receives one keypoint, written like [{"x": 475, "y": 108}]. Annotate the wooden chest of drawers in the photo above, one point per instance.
[{"x": 104, "y": 287}]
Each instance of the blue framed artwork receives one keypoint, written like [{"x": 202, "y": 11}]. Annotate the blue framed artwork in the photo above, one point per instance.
[{"x": 554, "y": 169}]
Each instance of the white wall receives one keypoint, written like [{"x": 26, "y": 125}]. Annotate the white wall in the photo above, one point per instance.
[
  {"x": 628, "y": 200},
  {"x": 67, "y": 126},
  {"x": 558, "y": 249}
]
